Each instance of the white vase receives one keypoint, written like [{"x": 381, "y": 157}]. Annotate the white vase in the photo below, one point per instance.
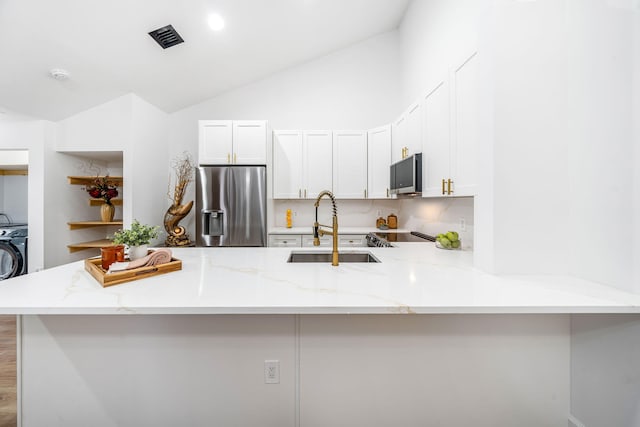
[{"x": 136, "y": 252}]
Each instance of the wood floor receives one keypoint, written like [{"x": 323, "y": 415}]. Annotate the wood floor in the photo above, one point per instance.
[{"x": 8, "y": 396}]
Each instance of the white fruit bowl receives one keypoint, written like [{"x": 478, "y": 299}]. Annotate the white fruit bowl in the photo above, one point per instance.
[{"x": 438, "y": 245}]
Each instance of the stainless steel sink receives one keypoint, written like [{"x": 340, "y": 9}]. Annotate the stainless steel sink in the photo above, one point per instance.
[{"x": 297, "y": 256}]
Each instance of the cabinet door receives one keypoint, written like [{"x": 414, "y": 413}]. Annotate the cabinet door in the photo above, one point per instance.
[
  {"x": 378, "y": 162},
  {"x": 250, "y": 142},
  {"x": 398, "y": 138},
  {"x": 414, "y": 129},
  {"x": 464, "y": 154},
  {"x": 325, "y": 241},
  {"x": 285, "y": 240},
  {"x": 287, "y": 164},
  {"x": 436, "y": 144},
  {"x": 214, "y": 142},
  {"x": 354, "y": 241},
  {"x": 317, "y": 163},
  {"x": 350, "y": 164}
]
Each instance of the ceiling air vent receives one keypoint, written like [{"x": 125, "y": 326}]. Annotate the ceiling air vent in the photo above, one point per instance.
[{"x": 166, "y": 36}]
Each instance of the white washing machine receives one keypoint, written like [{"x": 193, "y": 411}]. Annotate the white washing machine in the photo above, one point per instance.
[{"x": 13, "y": 250}]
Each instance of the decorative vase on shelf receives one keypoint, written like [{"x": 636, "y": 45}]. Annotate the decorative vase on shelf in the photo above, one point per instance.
[
  {"x": 106, "y": 212},
  {"x": 136, "y": 252}
]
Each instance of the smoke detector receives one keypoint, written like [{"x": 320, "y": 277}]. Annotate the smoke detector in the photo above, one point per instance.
[{"x": 59, "y": 74}]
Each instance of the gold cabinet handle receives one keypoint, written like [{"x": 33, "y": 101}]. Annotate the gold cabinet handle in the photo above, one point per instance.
[
  {"x": 387, "y": 192},
  {"x": 443, "y": 184},
  {"x": 235, "y": 158},
  {"x": 299, "y": 193},
  {"x": 365, "y": 193},
  {"x": 228, "y": 158},
  {"x": 449, "y": 190},
  {"x": 305, "y": 193}
]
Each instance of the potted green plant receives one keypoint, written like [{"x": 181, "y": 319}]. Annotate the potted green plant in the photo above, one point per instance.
[{"x": 137, "y": 238}]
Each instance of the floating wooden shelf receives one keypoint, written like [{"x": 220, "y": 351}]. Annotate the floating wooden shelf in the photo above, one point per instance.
[
  {"x": 14, "y": 172},
  {"x": 95, "y": 244},
  {"x": 74, "y": 225},
  {"x": 88, "y": 180},
  {"x": 100, "y": 202}
]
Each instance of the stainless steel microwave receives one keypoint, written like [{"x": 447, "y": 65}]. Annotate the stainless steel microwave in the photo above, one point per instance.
[{"x": 406, "y": 175}]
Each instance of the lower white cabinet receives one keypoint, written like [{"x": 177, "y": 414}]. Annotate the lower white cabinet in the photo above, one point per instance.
[
  {"x": 285, "y": 240},
  {"x": 325, "y": 241},
  {"x": 352, "y": 240},
  {"x": 306, "y": 240}
]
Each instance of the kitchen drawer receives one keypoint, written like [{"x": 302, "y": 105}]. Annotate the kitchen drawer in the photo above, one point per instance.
[
  {"x": 307, "y": 240},
  {"x": 354, "y": 240},
  {"x": 285, "y": 240}
]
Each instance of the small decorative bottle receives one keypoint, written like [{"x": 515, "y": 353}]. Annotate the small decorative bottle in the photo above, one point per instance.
[{"x": 288, "y": 218}]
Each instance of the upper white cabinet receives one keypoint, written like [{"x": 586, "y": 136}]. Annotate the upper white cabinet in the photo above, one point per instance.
[
  {"x": 413, "y": 143},
  {"x": 378, "y": 162},
  {"x": 350, "y": 164},
  {"x": 407, "y": 133},
  {"x": 398, "y": 138},
  {"x": 318, "y": 162},
  {"x": 449, "y": 137},
  {"x": 232, "y": 142},
  {"x": 302, "y": 163},
  {"x": 437, "y": 141},
  {"x": 464, "y": 166},
  {"x": 287, "y": 164}
]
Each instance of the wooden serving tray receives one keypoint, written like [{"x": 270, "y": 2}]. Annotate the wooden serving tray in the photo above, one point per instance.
[{"x": 94, "y": 267}]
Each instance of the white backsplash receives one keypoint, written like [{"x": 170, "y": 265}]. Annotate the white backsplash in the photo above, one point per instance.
[{"x": 431, "y": 216}]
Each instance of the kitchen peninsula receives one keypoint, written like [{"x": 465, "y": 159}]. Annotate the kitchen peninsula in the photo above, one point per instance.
[{"x": 407, "y": 341}]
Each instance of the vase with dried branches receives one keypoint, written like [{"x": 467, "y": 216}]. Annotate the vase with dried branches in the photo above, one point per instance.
[{"x": 177, "y": 234}]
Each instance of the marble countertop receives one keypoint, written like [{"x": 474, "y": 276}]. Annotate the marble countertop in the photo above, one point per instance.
[
  {"x": 342, "y": 230},
  {"x": 411, "y": 278}
]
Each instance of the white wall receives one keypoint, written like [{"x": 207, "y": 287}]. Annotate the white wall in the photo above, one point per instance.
[
  {"x": 602, "y": 190},
  {"x": 147, "y": 166},
  {"x": 364, "y": 370},
  {"x": 32, "y": 135},
  {"x": 435, "y": 35},
  {"x": 353, "y": 88},
  {"x": 14, "y": 192}
]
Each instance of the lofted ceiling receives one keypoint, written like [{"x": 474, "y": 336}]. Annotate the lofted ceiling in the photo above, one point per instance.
[{"x": 105, "y": 47}]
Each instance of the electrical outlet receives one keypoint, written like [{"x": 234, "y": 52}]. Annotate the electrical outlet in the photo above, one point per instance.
[
  {"x": 379, "y": 213},
  {"x": 272, "y": 372},
  {"x": 463, "y": 224}
]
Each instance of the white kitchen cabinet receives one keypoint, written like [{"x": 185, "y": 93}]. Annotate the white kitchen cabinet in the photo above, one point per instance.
[
  {"x": 317, "y": 169},
  {"x": 352, "y": 240},
  {"x": 302, "y": 163},
  {"x": 378, "y": 162},
  {"x": 285, "y": 240},
  {"x": 398, "y": 138},
  {"x": 325, "y": 241},
  {"x": 413, "y": 143},
  {"x": 407, "y": 133},
  {"x": 450, "y": 132},
  {"x": 350, "y": 164},
  {"x": 437, "y": 140},
  {"x": 222, "y": 142},
  {"x": 287, "y": 164},
  {"x": 464, "y": 165}
]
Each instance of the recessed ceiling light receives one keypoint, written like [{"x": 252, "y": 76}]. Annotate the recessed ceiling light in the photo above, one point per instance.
[
  {"x": 216, "y": 23},
  {"x": 59, "y": 74}
]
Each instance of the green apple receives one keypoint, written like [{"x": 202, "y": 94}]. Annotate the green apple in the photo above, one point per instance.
[
  {"x": 455, "y": 244},
  {"x": 445, "y": 242}
]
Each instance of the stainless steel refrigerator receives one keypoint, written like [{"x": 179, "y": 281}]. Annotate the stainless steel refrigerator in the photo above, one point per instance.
[{"x": 231, "y": 203}]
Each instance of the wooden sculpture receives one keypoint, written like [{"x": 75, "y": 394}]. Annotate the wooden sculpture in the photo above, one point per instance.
[{"x": 177, "y": 234}]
